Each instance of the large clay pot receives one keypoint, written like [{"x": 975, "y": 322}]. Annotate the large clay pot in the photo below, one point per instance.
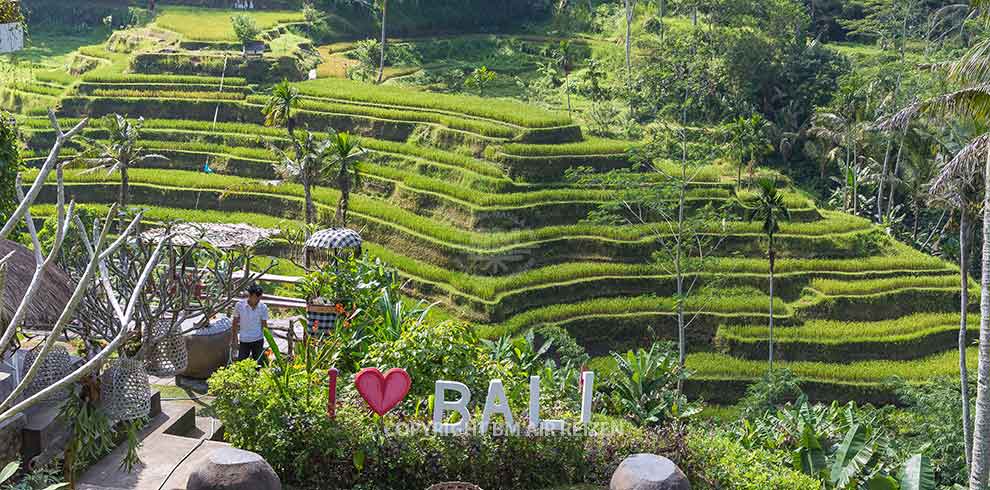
[{"x": 209, "y": 349}]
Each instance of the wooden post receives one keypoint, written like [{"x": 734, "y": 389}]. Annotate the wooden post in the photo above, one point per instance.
[{"x": 332, "y": 395}]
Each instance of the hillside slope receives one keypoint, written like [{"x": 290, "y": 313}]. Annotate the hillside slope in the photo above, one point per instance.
[{"x": 465, "y": 196}]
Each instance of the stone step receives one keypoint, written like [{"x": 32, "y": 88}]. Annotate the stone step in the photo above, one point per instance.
[{"x": 170, "y": 446}]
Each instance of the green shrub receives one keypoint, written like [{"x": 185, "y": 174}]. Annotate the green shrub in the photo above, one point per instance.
[
  {"x": 728, "y": 465},
  {"x": 306, "y": 447}
]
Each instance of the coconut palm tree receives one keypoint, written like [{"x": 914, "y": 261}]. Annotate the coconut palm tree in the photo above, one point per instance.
[
  {"x": 278, "y": 109},
  {"x": 309, "y": 167},
  {"x": 344, "y": 153},
  {"x": 957, "y": 184},
  {"x": 769, "y": 208},
  {"x": 119, "y": 153},
  {"x": 972, "y": 100}
]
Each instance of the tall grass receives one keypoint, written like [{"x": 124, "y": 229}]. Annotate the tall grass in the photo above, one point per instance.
[
  {"x": 720, "y": 366},
  {"x": 590, "y": 146},
  {"x": 208, "y": 24},
  {"x": 404, "y": 220},
  {"x": 833, "y": 287},
  {"x": 509, "y": 111},
  {"x": 826, "y": 331}
]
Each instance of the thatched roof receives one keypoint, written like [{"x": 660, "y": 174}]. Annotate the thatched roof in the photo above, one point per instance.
[
  {"x": 54, "y": 294},
  {"x": 217, "y": 234}
]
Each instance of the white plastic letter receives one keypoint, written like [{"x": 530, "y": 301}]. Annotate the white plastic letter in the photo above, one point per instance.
[
  {"x": 497, "y": 403},
  {"x": 587, "y": 393},
  {"x": 534, "y": 409},
  {"x": 441, "y": 406}
]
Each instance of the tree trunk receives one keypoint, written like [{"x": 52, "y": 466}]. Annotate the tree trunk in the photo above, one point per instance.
[
  {"x": 661, "y": 13},
  {"x": 310, "y": 214},
  {"x": 981, "y": 427},
  {"x": 629, "y": 18},
  {"x": 344, "y": 184},
  {"x": 883, "y": 178},
  {"x": 963, "y": 336},
  {"x": 897, "y": 168},
  {"x": 770, "y": 253},
  {"x": 381, "y": 65},
  {"x": 678, "y": 271},
  {"x": 125, "y": 188}
]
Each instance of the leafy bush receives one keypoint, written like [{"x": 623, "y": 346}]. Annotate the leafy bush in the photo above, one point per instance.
[
  {"x": 728, "y": 465},
  {"x": 295, "y": 435},
  {"x": 772, "y": 390},
  {"x": 245, "y": 28}
]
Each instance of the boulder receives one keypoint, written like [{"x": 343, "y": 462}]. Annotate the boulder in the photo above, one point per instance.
[
  {"x": 233, "y": 469},
  {"x": 648, "y": 472}
]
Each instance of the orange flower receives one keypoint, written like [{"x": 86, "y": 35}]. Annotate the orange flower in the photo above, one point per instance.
[
  {"x": 347, "y": 324},
  {"x": 316, "y": 325},
  {"x": 339, "y": 308},
  {"x": 269, "y": 354}
]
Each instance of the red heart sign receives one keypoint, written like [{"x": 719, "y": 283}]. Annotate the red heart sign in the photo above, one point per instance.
[{"x": 382, "y": 392}]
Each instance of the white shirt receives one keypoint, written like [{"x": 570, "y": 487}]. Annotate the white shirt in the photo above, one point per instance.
[{"x": 250, "y": 320}]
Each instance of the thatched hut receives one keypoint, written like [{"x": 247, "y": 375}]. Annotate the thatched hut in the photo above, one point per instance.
[{"x": 56, "y": 288}]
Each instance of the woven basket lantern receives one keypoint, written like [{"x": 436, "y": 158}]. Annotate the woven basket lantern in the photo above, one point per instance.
[
  {"x": 168, "y": 356},
  {"x": 125, "y": 390},
  {"x": 454, "y": 485},
  {"x": 54, "y": 367}
]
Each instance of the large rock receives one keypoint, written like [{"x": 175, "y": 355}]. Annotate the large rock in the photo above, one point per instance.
[
  {"x": 648, "y": 472},
  {"x": 233, "y": 469}
]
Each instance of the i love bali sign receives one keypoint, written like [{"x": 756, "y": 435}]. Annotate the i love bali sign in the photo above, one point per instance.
[{"x": 384, "y": 391}]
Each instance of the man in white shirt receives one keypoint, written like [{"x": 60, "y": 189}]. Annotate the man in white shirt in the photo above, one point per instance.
[{"x": 250, "y": 316}]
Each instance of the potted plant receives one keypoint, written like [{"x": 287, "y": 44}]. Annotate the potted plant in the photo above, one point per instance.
[
  {"x": 11, "y": 27},
  {"x": 327, "y": 298}
]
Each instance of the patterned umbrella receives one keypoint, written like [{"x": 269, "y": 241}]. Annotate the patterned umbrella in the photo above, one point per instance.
[{"x": 334, "y": 238}]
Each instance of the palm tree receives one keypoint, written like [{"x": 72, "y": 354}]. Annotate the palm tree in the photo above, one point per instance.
[
  {"x": 770, "y": 209},
  {"x": 278, "y": 109},
  {"x": 957, "y": 184},
  {"x": 630, "y": 13},
  {"x": 345, "y": 151},
  {"x": 382, "y": 6},
  {"x": 309, "y": 167},
  {"x": 120, "y": 153},
  {"x": 972, "y": 73}
]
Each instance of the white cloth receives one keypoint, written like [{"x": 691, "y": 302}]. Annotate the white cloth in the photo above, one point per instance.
[{"x": 250, "y": 320}]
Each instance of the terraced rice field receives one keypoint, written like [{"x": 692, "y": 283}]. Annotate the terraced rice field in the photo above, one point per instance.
[{"x": 466, "y": 197}]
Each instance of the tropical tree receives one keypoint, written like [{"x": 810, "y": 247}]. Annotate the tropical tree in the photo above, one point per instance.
[
  {"x": 846, "y": 137},
  {"x": 309, "y": 167},
  {"x": 278, "y": 108},
  {"x": 769, "y": 208},
  {"x": 119, "y": 153},
  {"x": 343, "y": 167},
  {"x": 971, "y": 99},
  {"x": 957, "y": 184},
  {"x": 480, "y": 78},
  {"x": 749, "y": 139},
  {"x": 630, "y": 13}
]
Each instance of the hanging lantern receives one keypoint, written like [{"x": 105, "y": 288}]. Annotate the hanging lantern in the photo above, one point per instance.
[
  {"x": 125, "y": 390},
  {"x": 168, "y": 356},
  {"x": 56, "y": 365}
]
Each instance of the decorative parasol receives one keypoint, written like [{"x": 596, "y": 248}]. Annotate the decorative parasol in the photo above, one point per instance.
[
  {"x": 334, "y": 239},
  {"x": 325, "y": 246}
]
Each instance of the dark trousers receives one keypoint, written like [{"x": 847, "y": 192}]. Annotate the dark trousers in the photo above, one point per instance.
[{"x": 252, "y": 350}]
